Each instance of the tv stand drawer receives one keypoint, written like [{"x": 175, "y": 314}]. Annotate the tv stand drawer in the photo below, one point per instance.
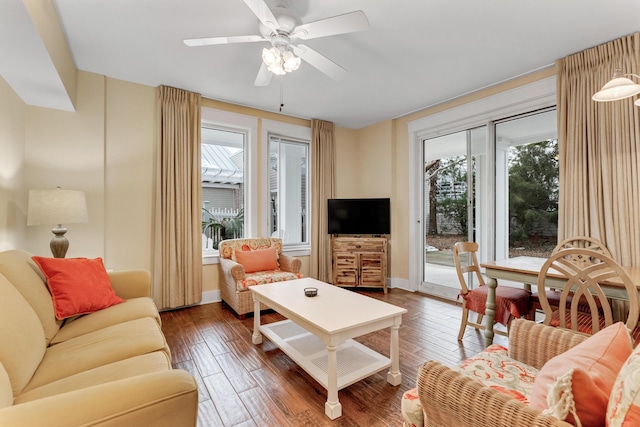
[{"x": 355, "y": 244}]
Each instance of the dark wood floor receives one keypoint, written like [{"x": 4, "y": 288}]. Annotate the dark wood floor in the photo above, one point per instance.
[{"x": 241, "y": 384}]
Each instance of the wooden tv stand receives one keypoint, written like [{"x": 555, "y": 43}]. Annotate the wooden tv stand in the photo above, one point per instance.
[{"x": 359, "y": 261}]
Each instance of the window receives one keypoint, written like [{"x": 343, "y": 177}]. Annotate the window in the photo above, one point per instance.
[
  {"x": 286, "y": 180},
  {"x": 288, "y": 189},
  {"x": 230, "y": 187},
  {"x": 222, "y": 169},
  {"x": 235, "y": 202}
]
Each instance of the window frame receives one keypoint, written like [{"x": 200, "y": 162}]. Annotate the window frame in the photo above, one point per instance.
[
  {"x": 225, "y": 120},
  {"x": 298, "y": 134},
  {"x": 485, "y": 111}
]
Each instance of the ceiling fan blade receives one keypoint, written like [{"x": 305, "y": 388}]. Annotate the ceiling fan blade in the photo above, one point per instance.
[
  {"x": 264, "y": 76},
  {"x": 206, "y": 41},
  {"x": 264, "y": 14},
  {"x": 320, "y": 61},
  {"x": 347, "y": 23}
]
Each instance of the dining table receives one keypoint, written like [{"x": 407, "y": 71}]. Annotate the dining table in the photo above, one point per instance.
[{"x": 525, "y": 270}]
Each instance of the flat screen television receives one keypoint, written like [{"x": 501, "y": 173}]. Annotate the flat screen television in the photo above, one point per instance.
[{"x": 359, "y": 216}]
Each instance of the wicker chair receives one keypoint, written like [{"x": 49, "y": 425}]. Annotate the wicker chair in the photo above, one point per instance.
[
  {"x": 552, "y": 295},
  {"x": 235, "y": 282},
  {"x": 510, "y": 302},
  {"x": 451, "y": 398}
]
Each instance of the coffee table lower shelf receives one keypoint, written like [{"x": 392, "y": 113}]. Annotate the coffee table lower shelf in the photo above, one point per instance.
[{"x": 355, "y": 361}]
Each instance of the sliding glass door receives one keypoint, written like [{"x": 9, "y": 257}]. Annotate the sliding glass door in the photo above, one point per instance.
[
  {"x": 454, "y": 200},
  {"x": 496, "y": 185},
  {"x": 527, "y": 183}
]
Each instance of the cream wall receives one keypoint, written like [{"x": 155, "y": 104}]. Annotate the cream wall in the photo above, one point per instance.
[
  {"x": 13, "y": 199},
  {"x": 129, "y": 174},
  {"x": 67, "y": 149}
]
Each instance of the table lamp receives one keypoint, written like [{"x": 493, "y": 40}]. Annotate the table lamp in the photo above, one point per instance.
[{"x": 57, "y": 207}]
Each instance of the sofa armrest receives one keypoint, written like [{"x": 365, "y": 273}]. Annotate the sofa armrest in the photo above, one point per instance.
[
  {"x": 131, "y": 283},
  {"x": 160, "y": 399},
  {"x": 289, "y": 263},
  {"x": 450, "y": 398},
  {"x": 534, "y": 343}
]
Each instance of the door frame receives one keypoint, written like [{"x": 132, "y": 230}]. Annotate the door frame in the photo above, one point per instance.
[{"x": 533, "y": 96}]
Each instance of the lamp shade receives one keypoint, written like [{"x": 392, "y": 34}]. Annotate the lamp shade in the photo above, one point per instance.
[
  {"x": 56, "y": 207},
  {"x": 619, "y": 87}
]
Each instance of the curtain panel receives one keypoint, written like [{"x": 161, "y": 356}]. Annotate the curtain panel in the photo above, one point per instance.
[
  {"x": 322, "y": 189},
  {"x": 177, "y": 279},
  {"x": 599, "y": 150}
]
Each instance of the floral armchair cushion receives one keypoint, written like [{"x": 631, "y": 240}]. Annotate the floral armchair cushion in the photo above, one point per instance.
[
  {"x": 494, "y": 368},
  {"x": 228, "y": 249}
]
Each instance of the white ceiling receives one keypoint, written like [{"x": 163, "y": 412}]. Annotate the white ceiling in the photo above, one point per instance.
[{"x": 416, "y": 53}]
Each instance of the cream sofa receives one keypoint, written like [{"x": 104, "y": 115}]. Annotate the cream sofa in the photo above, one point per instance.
[{"x": 108, "y": 368}]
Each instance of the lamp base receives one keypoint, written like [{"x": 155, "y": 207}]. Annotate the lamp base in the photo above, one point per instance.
[{"x": 59, "y": 244}]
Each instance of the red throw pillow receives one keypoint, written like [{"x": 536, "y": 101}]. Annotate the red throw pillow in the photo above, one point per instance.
[
  {"x": 77, "y": 285},
  {"x": 258, "y": 260},
  {"x": 595, "y": 364}
]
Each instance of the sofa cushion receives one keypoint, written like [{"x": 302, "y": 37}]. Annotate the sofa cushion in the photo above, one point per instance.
[
  {"x": 77, "y": 285},
  {"x": 258, "y": 260},
  {"x": 6, "y": 394},
  {"x": 24, "y": 274},
  {"x": 22, "y": 341},
  {"x": 131, "y": 309},
  {"x": 127, "y": 368},
  {"x": 623, "y": 408},
  {"x": 498, "y": 371},
  {"x": 99, "y": 348},
  {"x": 263, "y": 277},
  {"x": 595, "y": 363}
]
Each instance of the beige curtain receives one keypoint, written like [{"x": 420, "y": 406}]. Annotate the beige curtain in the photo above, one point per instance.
[
  {"x": 177, "y": 279},
  {"x": 322, "y": 189},
  {"x": 599, "y": 148}
]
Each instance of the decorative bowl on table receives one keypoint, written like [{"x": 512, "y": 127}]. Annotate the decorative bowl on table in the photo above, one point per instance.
[{"x": 311, "y": 292}]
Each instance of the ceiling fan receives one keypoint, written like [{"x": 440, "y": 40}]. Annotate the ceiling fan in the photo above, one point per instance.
[{"x": 282, "y": 29}]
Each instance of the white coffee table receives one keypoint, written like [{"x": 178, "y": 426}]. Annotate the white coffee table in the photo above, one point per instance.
[{"x": 318, "y": 332}]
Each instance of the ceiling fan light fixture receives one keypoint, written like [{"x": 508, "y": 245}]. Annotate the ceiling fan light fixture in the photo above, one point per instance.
[
  {"x": 619, "y": 87},
  {"x": 290, "y": 61},
  {"x": 271, "y": 56},
  {"x": 277, "y": 69}
]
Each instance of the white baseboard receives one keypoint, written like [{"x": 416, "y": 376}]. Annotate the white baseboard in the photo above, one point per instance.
[
  {"x": 210, "y": 296},
  {"x": 400, "y": 284}
]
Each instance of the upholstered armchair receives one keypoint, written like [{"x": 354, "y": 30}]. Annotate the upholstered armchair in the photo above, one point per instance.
[{"x": 249, "y": 262}]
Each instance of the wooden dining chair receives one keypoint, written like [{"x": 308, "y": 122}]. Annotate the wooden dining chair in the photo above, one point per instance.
[
  {"x": 552, "y": 295},
  {"x": 584, "y": 282},
  {"x": 510, "y": 302}
]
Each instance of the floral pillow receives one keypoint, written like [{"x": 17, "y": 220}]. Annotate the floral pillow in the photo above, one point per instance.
[{"x": 624, "y": 402}]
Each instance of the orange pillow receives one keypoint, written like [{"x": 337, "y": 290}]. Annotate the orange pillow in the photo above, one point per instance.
[
  {"x": 258, "y": 260},
  {"x": 77, "y": 285},
  {"x": 595, "y": 363}
]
